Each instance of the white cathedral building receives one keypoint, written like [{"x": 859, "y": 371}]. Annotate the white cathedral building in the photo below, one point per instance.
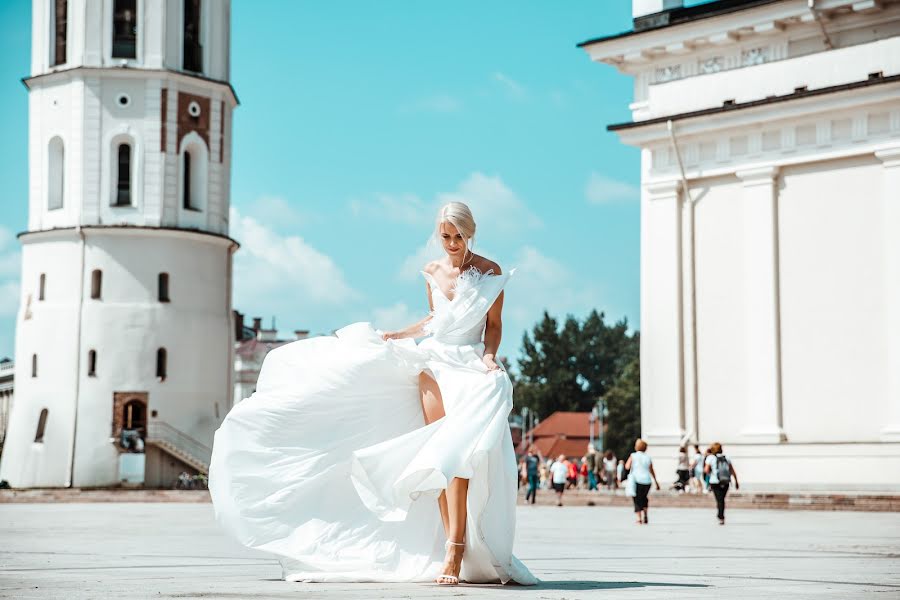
[
  {"x": 770, "y": 233},
  {"x": 123, "y": 359}
]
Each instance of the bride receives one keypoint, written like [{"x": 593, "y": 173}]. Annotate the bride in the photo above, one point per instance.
[{"x": 336, "y": 460}]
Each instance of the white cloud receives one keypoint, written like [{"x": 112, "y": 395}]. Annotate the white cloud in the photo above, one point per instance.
[
  {"x": 272, "y": 270},
  {"x": 395, "y": 317},
  {"x": 10, "y": 272},
  {"x": 399, "y": 208},
  {"x": 434, "y": 103},
  {"x": 543, "y": 283},
  {"x": 412, "y": 264},
  {"x": 497, "y": 209},
  {"x": 9, "y": 298},
  {"x": 275, "y": 211},
  {"x": 601, "y": 189},
  {"x": 513, "y": 88}
]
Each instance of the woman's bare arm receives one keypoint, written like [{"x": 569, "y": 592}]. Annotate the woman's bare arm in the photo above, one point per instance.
[
  {"x": 416, "y": 329},
  {"x": 493, "y": 332}
]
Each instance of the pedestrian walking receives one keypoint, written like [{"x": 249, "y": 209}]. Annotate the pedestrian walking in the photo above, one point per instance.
[
  {"x": 572, "y": 476},
  {"x": 621, "y": 475},
  {"x": 640, "y": 468},
  {"x": 706, "y": 454},
  {"x": 592, "y": 462},
  {"x": 532, "y": 461},
  {"x": 559, "y": 472},
  {"x": 610, "y": 465},
  {"x": 697, "y": 470},
  {"x": 721, "y": 472},
  {"x": 683, "y": 470}
]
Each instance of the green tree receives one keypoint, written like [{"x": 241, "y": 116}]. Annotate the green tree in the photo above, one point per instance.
[
  {"x": 623, "y": 400},
  {"x": 571, "y": 367}
]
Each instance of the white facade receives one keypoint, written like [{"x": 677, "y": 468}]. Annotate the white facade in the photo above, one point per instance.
[
  {"x": 146, "y": 344},
  {"x": 770, "y": 268}
]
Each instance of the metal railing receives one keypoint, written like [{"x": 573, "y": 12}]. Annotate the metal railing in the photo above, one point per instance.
[{"x": 179, "y": 444}]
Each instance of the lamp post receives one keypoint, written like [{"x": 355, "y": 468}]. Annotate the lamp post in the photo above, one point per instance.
[{"x": 591, "y": 419}]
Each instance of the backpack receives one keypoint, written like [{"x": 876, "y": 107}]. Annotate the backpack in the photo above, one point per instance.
[{"x": 723, "y": 469}]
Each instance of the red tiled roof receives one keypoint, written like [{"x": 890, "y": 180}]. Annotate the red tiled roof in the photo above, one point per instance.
[
  {"x": 569, "y": 424},
  {"x": 551, "y": 447},
  {"x": 561, "y": 433}
]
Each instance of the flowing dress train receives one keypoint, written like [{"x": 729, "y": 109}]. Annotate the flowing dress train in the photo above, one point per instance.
[{"x": 329, "y": 464}]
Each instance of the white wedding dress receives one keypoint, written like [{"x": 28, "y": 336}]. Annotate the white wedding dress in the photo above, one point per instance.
[{"x": 329, "y": 464}]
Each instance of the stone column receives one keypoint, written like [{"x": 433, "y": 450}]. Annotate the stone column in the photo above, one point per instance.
[
  {"x": 662, "y": 340},
  {"x": 763, "y": 415},
  {"x": 891, "y": 231}
]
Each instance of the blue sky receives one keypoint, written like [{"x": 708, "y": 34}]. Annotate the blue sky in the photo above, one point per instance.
[{"x": 358, "y": 119}]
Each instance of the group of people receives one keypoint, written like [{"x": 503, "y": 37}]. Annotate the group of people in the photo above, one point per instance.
[
  {"x": 588, "y": 472},
  {"x": 709, "y": 471}
]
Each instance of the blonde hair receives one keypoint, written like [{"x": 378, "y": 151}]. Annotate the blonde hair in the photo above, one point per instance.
[
  {"x": 640, "y": 445},
  {"x": 716, "y": 448},
  {"x": 458, "y": 215}
]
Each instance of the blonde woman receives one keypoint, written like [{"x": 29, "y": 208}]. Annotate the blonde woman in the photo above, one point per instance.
[
  {"x": 368, "y": 457},
  {"x": 640, "y": 468}
]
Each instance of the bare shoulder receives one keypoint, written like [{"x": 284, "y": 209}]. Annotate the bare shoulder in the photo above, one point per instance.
[
  {"x": 432, "y": 267},
  {"x": 486, "y": 265}
]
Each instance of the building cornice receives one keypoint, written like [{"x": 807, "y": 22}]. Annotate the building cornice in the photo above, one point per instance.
[
  {"x": 737, "y": 26},
  {"x": 725, "y": 108},
  {"x": 126, "y": 71},
  {"x": 26, "y": 236}
]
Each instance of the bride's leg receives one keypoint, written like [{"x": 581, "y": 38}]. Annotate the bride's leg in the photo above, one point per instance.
[{"x": 433, "y": 408}]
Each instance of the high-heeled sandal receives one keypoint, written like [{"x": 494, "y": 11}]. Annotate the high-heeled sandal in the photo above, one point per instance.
[{"x": 444, "y": 579}]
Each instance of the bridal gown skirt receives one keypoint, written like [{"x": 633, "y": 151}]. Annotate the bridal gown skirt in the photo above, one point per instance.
[{"x": 329, "y": 464}]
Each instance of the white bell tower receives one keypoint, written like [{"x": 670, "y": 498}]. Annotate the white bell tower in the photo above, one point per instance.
[{"x": 123, "y": 338}]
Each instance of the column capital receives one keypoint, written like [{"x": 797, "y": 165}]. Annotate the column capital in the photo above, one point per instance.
[
  {"x": 759, "y": 175},
  {"x": 890, "y": 157}
]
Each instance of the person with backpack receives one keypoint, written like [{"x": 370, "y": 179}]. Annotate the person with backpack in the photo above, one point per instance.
[{"x": 721, "y": 472}]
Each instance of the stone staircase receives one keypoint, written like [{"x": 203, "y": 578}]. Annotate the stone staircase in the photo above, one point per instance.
[{"x": 179, "y": 445}]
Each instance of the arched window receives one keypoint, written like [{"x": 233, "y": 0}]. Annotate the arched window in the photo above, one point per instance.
[
  {"x": 34, "y": 365},
  {"x": 186, "y": 181},
  {"x": 58, "y": 46},
  {"x": 96, "y": 283},
  {"x": 194, "y": 165},
  {"x": 161, "y": 364},
  {"x": 55, "y": 173},
  {"x": 42, "y": 285},
  {"x": 123, "y": 175},
  {"x": 163, "y": 287},
  {"x": 125, "y": 25},
  {"x": 92, "y": 363},
  {"x": 192, "y": 49},
  {"x": 42, "y": 424}
]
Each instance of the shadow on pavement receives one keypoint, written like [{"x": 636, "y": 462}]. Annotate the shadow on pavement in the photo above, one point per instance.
[{"x": 607, "y": 585}]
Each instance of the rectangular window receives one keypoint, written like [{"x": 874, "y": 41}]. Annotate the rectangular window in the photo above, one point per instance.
[
  {"x": 42, "y": 286},
  {"x": 42, "y": 425},
  {"x": 60, "y": 14},
  {"x": 92, "y": 363},
  {"x": 96, "y": 283},
  {"x": 123, "y": 183},
  {"x": 124, "y": 43},
  {"x": 163, "y": 287},
  {"x": 192, "y": 50}
]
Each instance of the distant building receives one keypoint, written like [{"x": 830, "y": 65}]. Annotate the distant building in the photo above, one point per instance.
[
  {"x": 567, "y": 433},
  {"x": 769, "y": 133},
  {"x": 250, "y": 348},
  {"x": 7, "y": 371}
]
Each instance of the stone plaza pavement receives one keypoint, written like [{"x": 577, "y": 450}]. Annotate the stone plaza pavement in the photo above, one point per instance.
[{"x": 173, "y": 550}]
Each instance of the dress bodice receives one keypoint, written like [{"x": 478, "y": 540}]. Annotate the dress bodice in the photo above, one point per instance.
[{"x": 461, "y": 320}]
